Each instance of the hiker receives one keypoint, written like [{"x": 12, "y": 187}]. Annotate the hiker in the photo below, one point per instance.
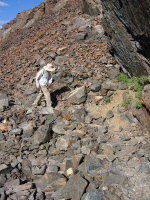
[{"x": 43, "y": 81}]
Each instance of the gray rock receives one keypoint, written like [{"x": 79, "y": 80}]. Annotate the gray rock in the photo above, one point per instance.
[
  {"x": 36, "y": 170},
  {"x": 30, "y": 90},
  {"x": 62, "y": 143},
  {"x": 60, "y": 60},
  {"x": 49, "y": 182},
  {"x": 81, "y": 36},
  {"x": 59, "y": 126},
  {"x": 4, "y": 101},
  {"x": 90, "y": 7},
  {"x": 27, "y": 168},
  {"x": 114, "y": 179},
  {"x": 95, "y": 87},
  {"x": 2, "y": 179},
  {"x": 16, "y": 131},
  {"x": 89, "y": 164},
  {"x": 46, "y": 111},
  {"x": 95, "y": 194},
  {"x": 79, "y": 114},
  {"x": 109, "y": 85},
  {"x": 78, "y": 95},
  {"x": 73, "y": 189},
  {"x": 86, "y": 27},
  {"x": 109, "y": 114},
  {"x": 41, "y": 135},
  {"x": 4, "y": 169},
  {"x": 78, "y": 21}
]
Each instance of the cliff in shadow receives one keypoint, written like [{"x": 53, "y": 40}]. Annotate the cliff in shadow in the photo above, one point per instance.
[{"x": 127, "y": 27}]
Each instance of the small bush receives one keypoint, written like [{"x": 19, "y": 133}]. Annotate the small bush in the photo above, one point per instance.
[
  {"x": 107, "y": 99},
  {"x": 136, "y": 84},
  {"x": 138, "y": 94},
  {"x": 138, "y": 104},
  {"x": 126, "y": 101},
  {"x": 122, "y": 78}
]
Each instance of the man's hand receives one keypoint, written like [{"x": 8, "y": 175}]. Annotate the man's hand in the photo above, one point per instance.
[
  {"x": 38, "y": 88},
  {"x": 49, "y": 85}
]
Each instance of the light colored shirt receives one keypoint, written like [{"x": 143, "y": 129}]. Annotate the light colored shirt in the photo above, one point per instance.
[{"x": 43, "y": 77}]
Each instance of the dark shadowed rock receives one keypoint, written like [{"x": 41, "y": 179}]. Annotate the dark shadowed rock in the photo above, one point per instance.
[
  {"x": 128, "y": 31},
  {"x": 4, "y": 101}
]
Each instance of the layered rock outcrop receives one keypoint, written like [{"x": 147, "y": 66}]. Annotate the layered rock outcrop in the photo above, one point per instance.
[{"x": 127, "y": 26}]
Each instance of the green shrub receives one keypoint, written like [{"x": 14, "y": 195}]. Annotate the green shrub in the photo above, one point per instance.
[
  {"x": 126, "y": 101},
  {"x": 134, "y": 83},
  {"x": 122, "y": 78},
  {"x": 138, "y": 104},
  {"x": 107, "y": 99},
  {"x": 138, "y": 94}
]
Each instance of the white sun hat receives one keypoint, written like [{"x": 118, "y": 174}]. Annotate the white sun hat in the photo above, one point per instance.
[{"x": 49, "y": 67}]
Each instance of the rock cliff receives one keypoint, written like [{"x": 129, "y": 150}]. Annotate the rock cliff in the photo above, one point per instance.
[{"x": 127, "y": 26}]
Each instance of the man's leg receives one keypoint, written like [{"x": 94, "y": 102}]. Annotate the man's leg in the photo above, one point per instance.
[
  {"x": 47, "y": 95},
  {"x": 38, "y": 98}
]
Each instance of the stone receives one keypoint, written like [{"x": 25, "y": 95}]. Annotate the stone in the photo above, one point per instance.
[
  {"x": 59, "y": 60},
  {"x": 16, "y": 131},
  {"x": 95, "y": 87},
  {"x": 77, "y": 96},
  {"x": 4, "y": 169},
  {"x": 89, "y": 164},
  {"x": 109, "y": 114},
  {"x": 72, "y": 190},
  {"x": 59, "y": 126},
  {"x": 47, "y": 111},
  {"x": 90, "y": 7},
  {"x": 85, "y": 27},
  {"x": 115, "y": 180},
  {"x": 94, "y": 194},
  {"x": 81, "y": 36},
  {"x": 62, "y": 50},
  {"x": 62, "y": 143},
  {"x": 41, "y": 135},
  {"x": 49, "y": 182},
  {"x": 109, "y": 85},
  {"x": 108, "y": 151},
  {"x": 79, "y": 114},
  {"x": 2, "y": 180},
  {"x": 30, "y": 90},
  {"x": 27, "y": 168},
  {"x": 36, "y": 170}
]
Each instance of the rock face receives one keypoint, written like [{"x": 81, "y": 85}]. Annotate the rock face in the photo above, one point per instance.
[{"x": 127, "y": 27}]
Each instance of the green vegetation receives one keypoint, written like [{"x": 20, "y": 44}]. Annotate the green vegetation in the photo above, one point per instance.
[
  {"x": 107, "y": 99},
  {"x": 135, "y": 84},
  {"x": 138, "y": 104},
  {"x": 122, "y": 78},
  {"x": 126, "y": 101}
]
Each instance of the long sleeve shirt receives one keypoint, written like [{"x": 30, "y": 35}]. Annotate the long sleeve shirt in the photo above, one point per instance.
[{"x": 43, "y": 77}]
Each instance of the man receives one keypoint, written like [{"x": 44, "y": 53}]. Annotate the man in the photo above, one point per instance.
[{"x": 43, "y": 81}]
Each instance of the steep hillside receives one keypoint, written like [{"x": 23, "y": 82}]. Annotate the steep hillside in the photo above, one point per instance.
[{"x": 89, "y": 146}]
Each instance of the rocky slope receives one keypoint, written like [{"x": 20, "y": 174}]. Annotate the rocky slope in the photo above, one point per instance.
[{"x": 84, "y": 148}]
